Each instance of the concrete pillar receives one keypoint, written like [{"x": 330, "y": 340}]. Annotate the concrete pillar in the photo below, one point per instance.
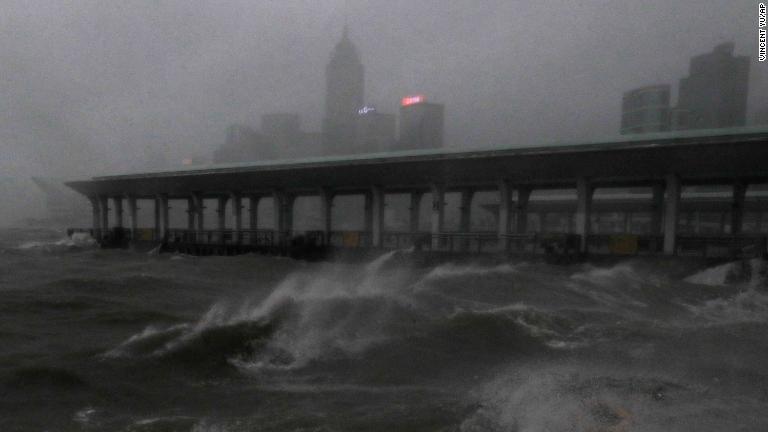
[
  {"x": 283, "y": 204},
  {"x": 521, "y": 209},
  {"x": 237, "y": 213},
  {"x": 253, "y": 212},
  {"x": 415, "y": 211},
  {"x": 505, "y": 207},
  {"x": 221, "y": 213},
  {"x": 162, "y": 220},
  {"x": 191, "y": 214},
  {"x": 737, "y": 207},
  {"x": 377, "y": 210},
  {"x": 326, "y": 206},
  {"x": 657, "y": 209},
  {"x": 465, "y": 208},
  {"x": 584, "y": 192},
  {"x": 671, "y": 213},
  {"x": 199, "y": 212},
  {"x": 96, "y": 219},
  {"x": 117, "y": 202},
  {"x": 438, "y": 214},
  {"x": 104, "y": 213},
  {"x": 133, "y": 216}
]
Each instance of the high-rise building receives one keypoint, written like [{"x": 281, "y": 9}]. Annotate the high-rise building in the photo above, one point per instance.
[
  {"x": 421, "y": 124},
  {"x": 714, "y": 94},
  {"x": 645, "y": 109},
  {"x": 345, "y": 91},
  {"x": 375, "y": 131}
]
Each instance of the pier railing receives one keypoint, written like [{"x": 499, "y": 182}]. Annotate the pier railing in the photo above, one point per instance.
[{"x": 721, "y": 246}]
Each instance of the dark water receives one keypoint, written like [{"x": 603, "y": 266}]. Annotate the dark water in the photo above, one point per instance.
[{"x": 96, "y": 340}]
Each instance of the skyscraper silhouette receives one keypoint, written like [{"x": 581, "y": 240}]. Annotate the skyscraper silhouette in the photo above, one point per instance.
[{"x": 345, "y": 92}]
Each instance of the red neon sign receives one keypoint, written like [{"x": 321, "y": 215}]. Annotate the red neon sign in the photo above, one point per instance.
[{"x": 413, "y": 100}]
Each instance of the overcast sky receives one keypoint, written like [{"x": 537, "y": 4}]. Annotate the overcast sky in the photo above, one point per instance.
[{"x": 92, "y": 86}]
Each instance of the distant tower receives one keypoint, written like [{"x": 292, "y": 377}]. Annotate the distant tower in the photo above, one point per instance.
[
  {"x": 645, "y": 109},
  {"x": 421, "y": 124},
  {"x": 714, "y": 95},
  {"x": 345, "y": 91}
]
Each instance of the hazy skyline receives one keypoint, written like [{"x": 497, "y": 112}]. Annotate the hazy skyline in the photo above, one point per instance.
[{"x": 93, "y": 86}]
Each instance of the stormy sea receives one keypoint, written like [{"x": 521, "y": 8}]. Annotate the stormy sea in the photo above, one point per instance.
[{"x": 112, "y": 340}]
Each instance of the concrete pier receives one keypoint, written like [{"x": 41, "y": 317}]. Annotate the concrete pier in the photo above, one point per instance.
[{"x": 661, "y": 220}]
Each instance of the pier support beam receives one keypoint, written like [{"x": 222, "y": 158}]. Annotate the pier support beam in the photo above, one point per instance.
[
  {"x": 465, "y": 216},
  {"x": 584, "y": 192},
  {"x": 221, "y": 213},
  {"x": 162, "y": 220},
  {"x": 283, "y": 204},
  {"x": 326, "y": 207},
  {"x": 368, "y": 213},
  {"x": 657, "y": 209},
  {"x": 521, "y": 209},
  {"x": 199, "y": 212},
  {"x": 253, "y": 212},
  {"x": 415, "y": 211},
  {"x": 117, "y": 202},
  {"x": 237, "y": 213},
  {"x": 190, "y": 214},
  {"x": 377, "y": 216},
  {"x": 104, "y": 213},
  {"x": 505, "y": 213},
  {"x": 737, "y": 207},
  {"x": 133, "y": 219},
  {"x": 438, "y": 214},
  {"x": 671, "y": 213}
]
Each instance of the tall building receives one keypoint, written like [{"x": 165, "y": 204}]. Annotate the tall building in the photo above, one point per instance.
[
  {"x": 421, "y": 124},
  {"x": 375, "y": 131},
  {"x": 645, "y": 109},
  {"x": 345, "y": 90},
  {"x": 714, "y": 94}
]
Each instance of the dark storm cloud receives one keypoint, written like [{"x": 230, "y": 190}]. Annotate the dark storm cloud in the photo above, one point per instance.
[{"x": 91, "y": 86}]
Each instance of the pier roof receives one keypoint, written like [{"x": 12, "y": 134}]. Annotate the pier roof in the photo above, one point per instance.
[{"x": 704, "y": 156}]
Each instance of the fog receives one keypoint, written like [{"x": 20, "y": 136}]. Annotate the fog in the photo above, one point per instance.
[{"x": 93, "y": 87}]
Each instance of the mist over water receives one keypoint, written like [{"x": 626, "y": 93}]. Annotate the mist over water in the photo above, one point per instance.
[{"x": 114, "y": 340}]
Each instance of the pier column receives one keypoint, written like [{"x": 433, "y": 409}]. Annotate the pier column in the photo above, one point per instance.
[
  {"x": 162, "y": 220},
  {"x": 671, "y": 213},
  {"x": 253, "y": 212},
  {"x": 737, "y": 207},
  {"x": 377, "y": 216},
  {"x": 521, "y": 209},
  {"x": 584, "y": 192},
  {"x": 104, "y": 213},
  {"x": 283, "y": 204},
  {"x": 415, "y": 211},
  {"x": 237, "y": 213},
  {"x": 465, "y": 218},
  {"x": 505, "y": 213},
  {"x": 438, "y": 214},
  {"x": 117, "y": 202},
  {"x": 326, "y": 207},
  {"x": 199, "y": 212},
  {"x": 133, "y": 221},
  {"x": 190, "y": 214},
  {"x": 221, "y": 213},
  {"x": 657, "y": 208},
  {"x": 96, "y": 217}
]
